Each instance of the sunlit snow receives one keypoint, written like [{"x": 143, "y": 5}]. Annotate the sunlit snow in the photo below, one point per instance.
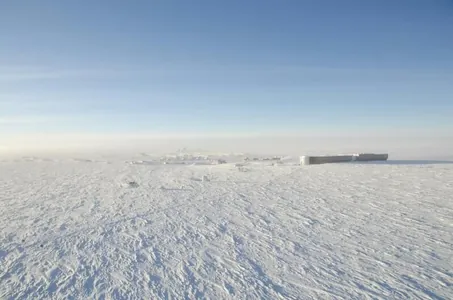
[{"x": 190, "y": 227}]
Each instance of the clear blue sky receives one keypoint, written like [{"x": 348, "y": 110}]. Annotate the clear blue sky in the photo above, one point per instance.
[{"x": 226, "y": 66}]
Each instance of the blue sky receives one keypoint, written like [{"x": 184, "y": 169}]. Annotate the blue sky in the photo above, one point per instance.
[{"x": 225, "y": 66}]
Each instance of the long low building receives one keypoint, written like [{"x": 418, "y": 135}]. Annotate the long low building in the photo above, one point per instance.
[
  {"x": 327, "y": 159},
  {"x": 371, "y": 157}
]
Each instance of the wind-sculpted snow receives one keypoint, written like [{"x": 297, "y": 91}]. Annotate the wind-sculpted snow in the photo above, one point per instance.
[{"x": 79, "y": 229}]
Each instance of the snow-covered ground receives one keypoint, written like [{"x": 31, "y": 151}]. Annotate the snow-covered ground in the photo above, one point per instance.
[{"x": 139, "y": 229}]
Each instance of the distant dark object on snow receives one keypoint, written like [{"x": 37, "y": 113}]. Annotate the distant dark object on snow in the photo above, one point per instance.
[
  {"x": 132, "y": 184},
  {"x": 370, "y": 157},
  {"x": 316, "y": 160},
  {"x": 274, "y": 158}
]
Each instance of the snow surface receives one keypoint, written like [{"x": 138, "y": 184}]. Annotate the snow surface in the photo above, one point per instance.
[{"x": 140, "y": 229}]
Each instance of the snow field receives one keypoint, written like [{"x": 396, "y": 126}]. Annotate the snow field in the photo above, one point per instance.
[{"x": 76, "y": 229}]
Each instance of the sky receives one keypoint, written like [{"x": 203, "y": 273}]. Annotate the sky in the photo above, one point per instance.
[{"x": 226, "y": 67}]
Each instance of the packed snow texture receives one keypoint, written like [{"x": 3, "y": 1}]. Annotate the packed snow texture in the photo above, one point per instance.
[{"x": 134, "y": 229}]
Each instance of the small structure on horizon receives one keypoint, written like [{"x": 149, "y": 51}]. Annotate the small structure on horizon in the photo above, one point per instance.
[
  {"x": 326, "y": 159},
  {"x": 371, "y": 157}
]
